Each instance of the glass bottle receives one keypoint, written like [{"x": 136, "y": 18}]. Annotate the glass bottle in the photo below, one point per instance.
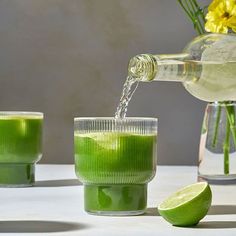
[{"x": 207, "y": 67}]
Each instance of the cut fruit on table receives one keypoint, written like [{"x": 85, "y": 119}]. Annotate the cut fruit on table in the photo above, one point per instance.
[{"x": 187, "y": 206}]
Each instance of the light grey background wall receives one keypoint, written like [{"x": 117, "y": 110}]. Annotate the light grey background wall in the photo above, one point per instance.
[{"x": 69, "y": 58}]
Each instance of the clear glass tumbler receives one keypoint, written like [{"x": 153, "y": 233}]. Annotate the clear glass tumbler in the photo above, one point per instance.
[
  {"x": 115, "y": 159},
  {"x": 20, "y": 147},
  {"x": 217, "y": 152}
]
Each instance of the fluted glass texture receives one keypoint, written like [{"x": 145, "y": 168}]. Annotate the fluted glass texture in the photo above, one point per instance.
[
  {"x": 20, "y": 147},
  {"x": 20, "y": 137},
  {"x": 115, "y": 151}
]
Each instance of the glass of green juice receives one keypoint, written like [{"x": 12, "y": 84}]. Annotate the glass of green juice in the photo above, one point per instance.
[
  {"x": 20, "y": 147},
  {"x": 115, "y": 159}
]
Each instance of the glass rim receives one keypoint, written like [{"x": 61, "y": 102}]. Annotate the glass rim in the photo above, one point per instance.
[
  {"x": 215, "y": 104},
  {"x": 115, "y": 119},
  {"x": 24, "y": 113}
]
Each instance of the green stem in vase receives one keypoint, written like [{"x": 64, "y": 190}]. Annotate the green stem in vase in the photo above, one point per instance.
[
  {"x": 192, "y": 11},
  {"x": 216, "y": 128},
  {"x": 231, "y": 118},
  {"x": 226, "y": 147},
  {"x": 200, "y": 11},
  {"x": 196, "y": 11}
]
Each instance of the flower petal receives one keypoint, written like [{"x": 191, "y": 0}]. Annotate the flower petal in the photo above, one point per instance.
[
  {"x": 214, "y": 4},
  {"x": 215, "y": 28},
  {"x": 221, "y": 15}
]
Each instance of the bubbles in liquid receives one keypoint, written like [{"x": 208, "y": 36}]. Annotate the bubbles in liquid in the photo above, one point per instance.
[{"x": 129, "y": 88}]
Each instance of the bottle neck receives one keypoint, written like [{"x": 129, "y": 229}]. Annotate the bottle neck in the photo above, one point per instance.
[{"x": 147, "y": 67}]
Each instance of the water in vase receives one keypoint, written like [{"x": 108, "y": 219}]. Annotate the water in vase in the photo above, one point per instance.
[
  {"x": 212, "y": 166},
  {"x": 217, "y": 151}
]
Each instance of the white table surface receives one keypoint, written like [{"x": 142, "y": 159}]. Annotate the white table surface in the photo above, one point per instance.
[{"x": 55, "y": 207}]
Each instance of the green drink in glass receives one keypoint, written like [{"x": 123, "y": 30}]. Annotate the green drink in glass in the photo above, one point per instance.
[
  {"x": 115, "y": 159},
  {"x": 20, "y": 147}
]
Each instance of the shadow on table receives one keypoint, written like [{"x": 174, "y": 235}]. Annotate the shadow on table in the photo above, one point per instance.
[
  {"x": 214, "y": 210},
  {"x": 151, "y": 211},
  {"x": 216, "y": 225},
  {"x": 222, "y": 210},
  {"x": 221, "y": 182},
  {"x": 24, "y": 226},
  {"x": 57, "y": 183}
]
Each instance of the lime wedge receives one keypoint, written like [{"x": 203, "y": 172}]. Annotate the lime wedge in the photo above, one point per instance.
[
  {"x": 107, "y": 140},
  {"x": 187, "y": 206}
]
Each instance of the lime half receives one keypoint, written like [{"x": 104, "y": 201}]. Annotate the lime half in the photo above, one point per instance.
[{"x": 187, "y": 206}]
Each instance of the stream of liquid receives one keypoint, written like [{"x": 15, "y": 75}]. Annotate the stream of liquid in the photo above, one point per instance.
[{"x": 129, "y": 88}]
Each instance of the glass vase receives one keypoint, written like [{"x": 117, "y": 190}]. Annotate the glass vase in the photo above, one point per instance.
[{"x": 217, "y": 152}]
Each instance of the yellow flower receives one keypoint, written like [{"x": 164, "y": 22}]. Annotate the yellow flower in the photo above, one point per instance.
[{"x": 221, "y": 16}]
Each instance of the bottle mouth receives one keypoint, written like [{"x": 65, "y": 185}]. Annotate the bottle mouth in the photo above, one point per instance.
[{"x": 142, "y": 67}]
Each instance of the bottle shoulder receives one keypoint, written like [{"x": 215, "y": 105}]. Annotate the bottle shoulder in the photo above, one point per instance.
[{"x": 212, "y": 46}]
